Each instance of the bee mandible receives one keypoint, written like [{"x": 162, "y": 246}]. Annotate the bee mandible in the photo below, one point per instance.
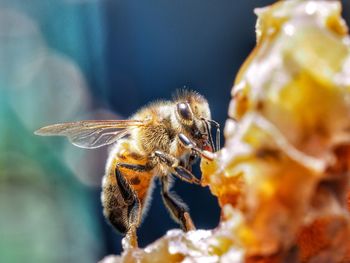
[{"x": 162, "y": 139}]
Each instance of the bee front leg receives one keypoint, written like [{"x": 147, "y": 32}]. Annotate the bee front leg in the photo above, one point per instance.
[
  {"x": 178, "y": 171},
  {"x": 176, "y": 207},
  {"x": 188, "y": 143}
]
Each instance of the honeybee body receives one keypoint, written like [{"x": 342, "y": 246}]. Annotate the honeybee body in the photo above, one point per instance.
[
  {"x": 138, "y": 150},
  {"x": 162, "y": 139}
]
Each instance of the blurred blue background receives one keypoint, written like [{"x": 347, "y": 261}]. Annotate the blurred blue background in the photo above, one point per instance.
[{"x": 64, "y": 60}]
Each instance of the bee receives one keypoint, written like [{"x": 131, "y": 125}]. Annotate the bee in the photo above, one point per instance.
[{"x": 162, "y": 139}]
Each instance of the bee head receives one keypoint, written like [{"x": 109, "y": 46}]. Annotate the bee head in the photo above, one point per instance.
[
  {"x": 193, "y": 113},
  {"x": 190, "y": 106}
]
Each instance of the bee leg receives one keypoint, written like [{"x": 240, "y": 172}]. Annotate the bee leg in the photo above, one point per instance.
[
  {"x": 176, "y": 207},
  {"x": 186, "y": 175},
  {"x": 179, "y": 171},
  {"x": 130, "y": 240},
  {"x": 136, "y": 167},
  {"x": 133, "y": 214},
  {"x": 188, "y": 143},
  {"x": 193, "y": 158}
]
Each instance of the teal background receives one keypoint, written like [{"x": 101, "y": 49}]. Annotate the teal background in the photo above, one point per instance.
[{"x": 64, "y": 60}]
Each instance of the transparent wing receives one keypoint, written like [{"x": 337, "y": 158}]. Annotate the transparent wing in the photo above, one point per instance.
[{"x": 91, "y": 134}]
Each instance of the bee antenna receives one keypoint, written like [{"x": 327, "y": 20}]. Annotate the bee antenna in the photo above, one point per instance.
[
  {"x": 217, "y": 126},
  {"x": 209, "y": 134},
  {"x": 218, "y": 137}
]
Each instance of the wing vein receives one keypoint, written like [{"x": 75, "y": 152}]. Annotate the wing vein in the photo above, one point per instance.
[{"x": 91, "y": 134}]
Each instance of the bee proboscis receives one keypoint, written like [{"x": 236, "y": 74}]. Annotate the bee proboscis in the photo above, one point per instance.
[{"x": 160, "y": 140}]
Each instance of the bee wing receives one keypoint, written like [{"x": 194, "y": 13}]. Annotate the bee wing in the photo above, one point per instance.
[{"x": 91, "y": 134}]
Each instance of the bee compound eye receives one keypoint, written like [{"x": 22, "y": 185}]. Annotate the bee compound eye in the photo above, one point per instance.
[{"x": 184, "y": 111}]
